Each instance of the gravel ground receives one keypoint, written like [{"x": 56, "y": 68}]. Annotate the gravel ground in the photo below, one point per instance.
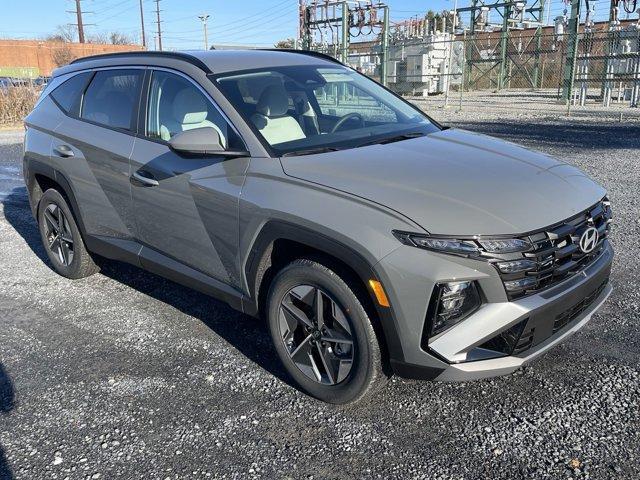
[{"x": 127, "y": 375}]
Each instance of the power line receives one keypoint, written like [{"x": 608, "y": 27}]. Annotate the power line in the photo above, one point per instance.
[
  {"x": 259, "y": 13},
  {"x": 271, "y": 17}
]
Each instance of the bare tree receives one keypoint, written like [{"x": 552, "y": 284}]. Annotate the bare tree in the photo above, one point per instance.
[
  {"x": 287, "y": 43},
  {"x": 63, "y": 34},
  {"x": 62, "y": 55},
  {"x": 117, "y": 38}
]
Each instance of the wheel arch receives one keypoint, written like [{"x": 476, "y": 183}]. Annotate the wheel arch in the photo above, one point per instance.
[
  {"x": 41, "y": 178},
  {"x": 279, "y": 243}
]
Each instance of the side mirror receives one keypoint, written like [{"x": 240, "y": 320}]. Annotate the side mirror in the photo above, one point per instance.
[{"x": 202, "y": 141}]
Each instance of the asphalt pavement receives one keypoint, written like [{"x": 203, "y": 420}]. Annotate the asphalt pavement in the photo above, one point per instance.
[{"x": 127, "y": 375}]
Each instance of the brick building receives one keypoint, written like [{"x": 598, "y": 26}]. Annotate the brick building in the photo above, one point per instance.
[{"x": 33, "y": 58}]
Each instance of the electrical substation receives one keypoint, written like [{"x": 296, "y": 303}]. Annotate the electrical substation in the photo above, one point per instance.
[{"x": 588, "y": 53}]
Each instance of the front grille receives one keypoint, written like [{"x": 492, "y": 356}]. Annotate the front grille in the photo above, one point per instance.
[
  {"x": 574, "y": 312},
  {"x": 557, "y": 253}
]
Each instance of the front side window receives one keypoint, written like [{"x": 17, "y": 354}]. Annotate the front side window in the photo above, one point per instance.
[
  {"x": 111, "y": 97},
  {"x": 175, "y": 105},
  {"x": 310, "y": 108}
]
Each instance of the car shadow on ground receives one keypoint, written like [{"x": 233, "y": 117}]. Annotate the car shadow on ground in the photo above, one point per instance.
[
  {"x": 563, "y": 133},
  {"x": 7, "y": 403},
  {"x": 246, "y": 334}
]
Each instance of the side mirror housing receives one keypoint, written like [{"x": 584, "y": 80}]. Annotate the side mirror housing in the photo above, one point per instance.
[
  {"x": 198, "y": 141},
  {"x": 202, "y": 141}
]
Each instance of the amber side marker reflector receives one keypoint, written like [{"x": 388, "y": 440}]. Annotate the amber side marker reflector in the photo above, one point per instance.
[{"x": 376, "y": 286}]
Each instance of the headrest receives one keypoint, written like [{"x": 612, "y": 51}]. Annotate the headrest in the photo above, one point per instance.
[
  {"x": 274, "y": 101},
  {"x": 189, "y": 106}
]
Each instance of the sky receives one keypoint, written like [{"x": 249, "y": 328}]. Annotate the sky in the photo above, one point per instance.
[{"x": 247, "y": 22}]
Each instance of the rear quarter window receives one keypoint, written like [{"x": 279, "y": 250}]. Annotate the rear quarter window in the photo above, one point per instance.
[{"x": 69, "y": 93}]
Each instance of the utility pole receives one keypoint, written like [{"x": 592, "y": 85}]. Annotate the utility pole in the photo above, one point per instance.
[
  {"x": 385, "y": 46},
  {"x": 203, "y": 18},
  {"x": 504, "y": 43},
  {"x": 158, "y": 22},
  {"x": 572, "y": 51},
  {"x": 344, "y": 47},
  {"x": 450, "y": 54},
  {"x": 80, "y": 26},
  {"x": 144, "y": 40}
]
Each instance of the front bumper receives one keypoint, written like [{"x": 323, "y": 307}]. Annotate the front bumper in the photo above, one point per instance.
[{"x": 551, "y": 316}]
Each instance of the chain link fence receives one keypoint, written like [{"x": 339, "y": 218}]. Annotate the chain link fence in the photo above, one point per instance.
[{"x": 593, "y": 68}]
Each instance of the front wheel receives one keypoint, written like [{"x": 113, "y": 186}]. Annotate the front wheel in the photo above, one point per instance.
[{"x": 323, "y": 334}]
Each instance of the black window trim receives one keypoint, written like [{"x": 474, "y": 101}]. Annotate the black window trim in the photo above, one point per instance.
[{"x": 141, "y": 131}]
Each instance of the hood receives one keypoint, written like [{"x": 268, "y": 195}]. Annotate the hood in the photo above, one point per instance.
[{"x": 456, "y": 182}]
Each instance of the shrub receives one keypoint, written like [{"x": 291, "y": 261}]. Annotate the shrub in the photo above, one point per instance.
[{"x": 16, "y": 103}]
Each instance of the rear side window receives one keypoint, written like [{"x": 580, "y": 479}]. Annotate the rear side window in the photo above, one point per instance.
[
  {"x": 69, "y": 93},
  {"x": 111, "y": 97}
]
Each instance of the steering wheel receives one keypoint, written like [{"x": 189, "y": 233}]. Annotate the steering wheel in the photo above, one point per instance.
[{"x": 345, "y": 119}]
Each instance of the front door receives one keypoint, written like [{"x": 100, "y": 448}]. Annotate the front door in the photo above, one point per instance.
[{"x": 187, "y": 207}]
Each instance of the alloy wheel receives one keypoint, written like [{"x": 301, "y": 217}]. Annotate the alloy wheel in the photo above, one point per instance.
[
  {"x": 58, "y": 234},
  {"x": 316, "y": 334}
]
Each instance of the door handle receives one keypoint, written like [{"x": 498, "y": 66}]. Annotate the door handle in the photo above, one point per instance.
[
  {"x": 64, "y": 151},
  {"x": 149, "y": 182}
]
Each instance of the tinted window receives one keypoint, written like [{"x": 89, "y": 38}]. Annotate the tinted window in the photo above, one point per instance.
[
  {"x": 177, "y": 105},
  {"x": 68, "y": 94},
  {"x": 111, "y": 97}
]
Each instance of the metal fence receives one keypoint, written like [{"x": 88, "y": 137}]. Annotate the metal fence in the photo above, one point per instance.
[{"x": 592, "y": 68}]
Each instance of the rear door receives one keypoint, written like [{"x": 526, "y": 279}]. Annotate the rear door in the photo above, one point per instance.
[
  {"x": 186, "y": 208},
  {"x": 92, "y": 145}
]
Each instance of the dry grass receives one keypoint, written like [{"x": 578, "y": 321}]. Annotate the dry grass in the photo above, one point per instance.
[{"x": 16, "y": 103}]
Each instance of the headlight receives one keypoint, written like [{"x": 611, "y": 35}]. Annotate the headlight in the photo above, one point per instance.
[
  {"x": 451, "y": 303},
  {"x": 508, "y": 245},
  {"x": 465, "y": 247},
  {"x": 444, "y": 245},
  {"x": 521, "y": 284},
  {"x": 517, "y": 266}
]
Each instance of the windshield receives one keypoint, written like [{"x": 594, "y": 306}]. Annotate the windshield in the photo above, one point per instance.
[{"x": 310, "y": 109}]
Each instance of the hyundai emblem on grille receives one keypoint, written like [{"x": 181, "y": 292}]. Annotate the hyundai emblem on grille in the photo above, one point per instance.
[{"x": 589, "y": 240}]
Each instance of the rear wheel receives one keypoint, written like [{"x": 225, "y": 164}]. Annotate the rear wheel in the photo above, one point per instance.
[
  {"x": 323, "y": 334},
  {"x": 61, "y": 238}
]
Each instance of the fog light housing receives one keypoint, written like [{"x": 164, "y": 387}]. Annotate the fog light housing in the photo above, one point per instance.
[
  {"x": 450, "y": 304},
  {"x": 507, "y": 341}
]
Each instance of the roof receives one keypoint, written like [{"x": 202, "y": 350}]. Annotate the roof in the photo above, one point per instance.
[{"x": 211, "y": 61}]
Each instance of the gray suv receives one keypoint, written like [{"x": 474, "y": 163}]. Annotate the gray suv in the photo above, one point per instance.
[{"x": 372, "y": 239}]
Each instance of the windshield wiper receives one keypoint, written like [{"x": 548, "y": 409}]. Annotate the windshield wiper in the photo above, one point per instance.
[
  {"x": 310, "y": 151},
  {"x": 395, "y": 138}
]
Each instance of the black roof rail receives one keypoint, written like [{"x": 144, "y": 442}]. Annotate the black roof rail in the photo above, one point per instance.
[
  {"x": 143, "y": 53},
  {"x": 310, "y": 53}
]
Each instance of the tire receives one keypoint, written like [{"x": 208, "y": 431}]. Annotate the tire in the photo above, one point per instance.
[
  {"x": 320, "y": 366},
  {"x": 66, "y": 251}
]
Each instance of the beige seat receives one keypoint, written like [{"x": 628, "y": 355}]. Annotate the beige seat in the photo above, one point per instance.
[
  {"x": 189, "y": 111},
  {"x": 271, "y": 117}
]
